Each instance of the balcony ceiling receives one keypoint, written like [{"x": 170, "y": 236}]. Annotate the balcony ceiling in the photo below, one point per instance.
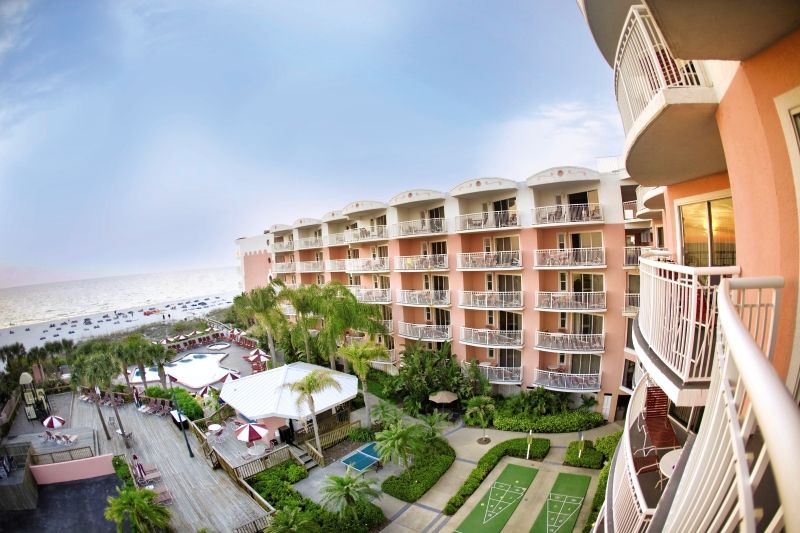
[
  {"x": 723, "y": 29},
  {"x": 654, "y": 199},
  {"x": 605, "y": 19},
  {"x": 649, "y": 214},
  {"x": 277, "y": 229},
  {"x": 333, "y": 216},
  {"x": 479, "y": 186},
  {"x": 362, "y": 207},
  {"x": 306, "y": 222},
  {"x": 676, "y": 138},
  {"x": 563, "y": 175},
  {"x": 416, "y": 196}
]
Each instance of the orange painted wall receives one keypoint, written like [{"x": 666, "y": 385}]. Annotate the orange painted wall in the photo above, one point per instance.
[
  {"x": 73, "y": 470},
  {"x": 255, "y": 270}
]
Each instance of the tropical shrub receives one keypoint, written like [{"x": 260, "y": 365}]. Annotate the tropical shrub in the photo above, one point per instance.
[
  {"x": 588, "y": 458},
  {"x": 122, "y": 470},
  {"x": 608, "y": 444},
  {"x": 480, "y": 411},
  {"x": 425, "y": 372},
  {"x": 157, "y": 392},
  {"x": 188, "y": 404},
  {"x": 360, "y": 434},
  {"x": 430, "y": 464},
  {"x": 558, "y": 423},
  {"x": 514, "y": 448}
]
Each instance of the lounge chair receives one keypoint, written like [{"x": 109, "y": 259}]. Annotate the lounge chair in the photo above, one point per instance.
[{"x": 164, "y": 498}]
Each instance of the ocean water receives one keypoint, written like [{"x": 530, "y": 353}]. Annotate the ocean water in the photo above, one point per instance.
[{"x": 39, "y": 303}]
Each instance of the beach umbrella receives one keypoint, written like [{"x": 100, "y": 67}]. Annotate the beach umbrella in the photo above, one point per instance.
[
  {"x": 180, "y": 338},
  {"x": 163, "y": 341},
  {"x": 258, "y": 351},
  {"x": 258, "y": 358},
  {"x": 204, "y": 391},
  {"x": 53, "y": 422},
  {"x": 207, "y": 330},
  {"x": 230, "y": 376},
  {"x": 252, "y": 432},
  {"x": 443, "y": 396}
]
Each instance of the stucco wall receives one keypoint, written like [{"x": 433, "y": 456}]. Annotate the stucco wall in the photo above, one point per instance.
[
  {"x": 73, "y": 470},
  {"x": 255, "y": 270}
]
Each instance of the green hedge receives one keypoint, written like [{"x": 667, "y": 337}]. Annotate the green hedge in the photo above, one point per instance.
[
  {"x": 514, "y": 448},
  {"x": 157, "y": 392},
  {"x": 360, "y": 434},
  {"x": 429, "y": 466},
  {"x": 605, "y": 445},
  {"x": 568, "y": 422},
  {"x": 275, "y": 486},
  {"x": 188, "y": 404},
  {"x": 122, "y": 470},
  {"x": 589, "y": 458}
]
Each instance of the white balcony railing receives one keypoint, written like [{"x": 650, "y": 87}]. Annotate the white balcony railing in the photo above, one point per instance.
[
  {"x": 492, "y": 338},
  {"x": 571, "y": 301},
  {"x": 567, "y": 214},
  {"x": 283, "y": 246},
  {"x": 644, "y": 66},
  {"x": 491, "y": 299},
  {"x": 487, "y": 221},
  {"x": 570, "y": 342},
  {"x": 310, "y": 266},
  {"x": 309, "y": 242},
  {"x": 633, "y": 253},
  {"x": 374, "y": 233},
  {"x": 569, "y": 257},
  {"x": 629, "y": 210},
  {"x": 490, "y": 260},
  {"x": 631, "y": 305},
  {"x": 423, "y": 226},
  {"x": 335, "y": 265},
  {"x": 420, "y": 262},
  {"x": 283, "y": 268},
  {"x": 371, "y": 296},
  {"x": 335, "y": 239},
  {"x": 425, "y": 332},
  {"x": 677, "y": 314},
  {"x": 287, "y": 309},
  {"x": 387, "y": 324},
  {"x": 423, "y": 298},
  {"x": 563, "y": 381},
  {"x": 498, "y": 374},
  {"x": 743, "y": 468},
  {"x": 368, "y": 264}
]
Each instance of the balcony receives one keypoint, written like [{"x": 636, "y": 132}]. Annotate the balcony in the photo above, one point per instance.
[
  {"x": 629, "y": 210},
  {"x": 570, "y": 342},
  {"x": 369, "y": 264},
  {"x": 283, "y": 268},
  {"x": 411, "y": 263},
  {"x": 375, "y": 233},
  {"x": 631, "y": 305},
  {"x": 568, "y": 215},
  {"x": 649, "y": 202},
  {"x": 633, "y": 253},
  {"x": 497, "y": 375},
  {"x": 283, "y": 246},
  {"x": 513, "y": 301},
  {"x": 416, "y": 228},
  {"x": 335, "y": 239},
  {"x": 565, "y": 382},
  {"x": 424, "y": 332},
  {"x": 487, "y": 221},
  {"x": 667, "y": 105},
  {"x": 676, "y": 326},
  {"x": 492, "y": 338},
  {"x": 335, "y": 265},
  {"x": 424, "y": 298},
  {"x": 593, "y": 302},
  {"x": 511, "y": 260},
  {"x": 307, "y": 243},
  {"x": 287, "y": 309},
  {"x": 566, "y": 258},
  {"x": 387, "y": 325},
  {"x": 371, "y": 296},
  {"x": 310, "y": 266}
]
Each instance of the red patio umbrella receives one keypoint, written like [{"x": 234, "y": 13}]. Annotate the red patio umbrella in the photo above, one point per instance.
[
  {"x": 53, "y": 422},
  {"x": 257, "y": 358},
  {"x": 230, "y": 376},
  {"x": 252, "y": 432},
  {"x": 258, "y": 351}
]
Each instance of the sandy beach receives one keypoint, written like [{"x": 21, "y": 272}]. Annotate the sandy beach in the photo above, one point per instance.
[{"x": 82, "y": 327}]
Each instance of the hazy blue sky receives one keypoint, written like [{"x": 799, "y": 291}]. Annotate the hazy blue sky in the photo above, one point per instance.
[{"x": 142, "y": 136}]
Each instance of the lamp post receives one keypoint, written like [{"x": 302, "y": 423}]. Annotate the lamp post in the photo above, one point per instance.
[{"x": 174, "y": 401}]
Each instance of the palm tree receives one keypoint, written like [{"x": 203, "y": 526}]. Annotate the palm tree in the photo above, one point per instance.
[
  {"x": 291, "y": 520},
  {"x": 136, "y": 507},
  {"x": 312, "y": 383},
  {"x": 386, "y": 413},
  {"x": 340, "y": 494},
  {"x": 359, "y": 354},
  {"x": 161, "y": 356},
  {"x": 482, "y": 407},
  {"x": 263, "y": 303},
  {"x": 98, "y": 369},
  {"x": 432, "y": 424},
  {"x": 306, "y": 302},
  {"x": 398, "y": 442},
  {"x": 141, "y": 353}
]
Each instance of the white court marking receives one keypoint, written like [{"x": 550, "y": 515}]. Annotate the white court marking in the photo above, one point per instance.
[
  {"x": 501, "y": 496},
  {"x": 557, "y": 516}
]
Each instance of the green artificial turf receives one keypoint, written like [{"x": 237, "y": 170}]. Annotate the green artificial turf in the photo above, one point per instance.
[
  {"x": 500, "y": 501},
  {"x": 563, "y": 505}
]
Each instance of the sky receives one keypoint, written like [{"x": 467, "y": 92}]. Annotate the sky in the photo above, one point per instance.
[{"x": 146, "y": 136}]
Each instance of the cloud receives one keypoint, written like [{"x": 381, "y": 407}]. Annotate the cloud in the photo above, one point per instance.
[
  {"x": 14, "y": 25},
  {"x": 568, "y": 133}
]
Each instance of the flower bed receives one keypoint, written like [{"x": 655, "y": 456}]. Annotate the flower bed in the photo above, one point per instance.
[{"x": 429, "y": 466}]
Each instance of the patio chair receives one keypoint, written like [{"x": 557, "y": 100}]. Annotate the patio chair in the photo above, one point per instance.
[
  {"x": 163, "y": 496},
  {"x": 48, "y": 436},
  {"x": 646, "y": 464},
  {"x": 148, "y": 478}
]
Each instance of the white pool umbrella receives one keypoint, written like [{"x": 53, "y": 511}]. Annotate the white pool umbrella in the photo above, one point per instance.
[{"x": 53, "y": 422}]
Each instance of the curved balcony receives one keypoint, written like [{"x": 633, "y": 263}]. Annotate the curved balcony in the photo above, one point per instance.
[
  {"x": 570, "y": 342},
  {"x": 631, "y": 305},
  {"x": 424, "y": 298},
  {"x": 412, "y": 263},
  {"x": 310, "y": 266},
  {"x": 283, "y": 268},
  {"x": 415, "y": 228},
  {"x": 566, "y": 382},
  {"x": 513, "y": 301},
  {"x": 287, "y": 309},
  {"x": 335, "y": 239},
  {"x": 566, "y": 258},
  {"x": 376, "y": 233},
  {"x": 511, "y": 260},
  {"x": 592, "y": 302},
  {"x": 369, "y": 264},
  {"x": 668, "y": 108},
  {"x": 371, "y": 296},
  {"x": 497, "y": 375},
  {"x": 567, "y": 215},
  {"x": 424, "y": 332},
  {"x": 487, "y": 221},
  {"x": 335, "y": 265},
  {"x": 307, "y": 243},
  {"x": 283, "y": 246},
  {"x": 629, "y": 211},
  {"x": 492, "y": 338}
]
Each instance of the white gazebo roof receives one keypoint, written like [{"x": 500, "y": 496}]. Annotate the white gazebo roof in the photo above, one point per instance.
[{"x": 263, "y": 395}]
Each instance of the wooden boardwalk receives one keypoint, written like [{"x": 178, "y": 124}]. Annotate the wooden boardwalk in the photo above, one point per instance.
[{"x": 202, "y": 497}]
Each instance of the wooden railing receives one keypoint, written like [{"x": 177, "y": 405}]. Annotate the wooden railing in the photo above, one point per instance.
[
  {"x": 315, "y": 455},
  {"x": 342, "y": 419},
  {"x": 336, "y": 436},
  {"x": 254, "y": 526},
  {"x": 62, "y": 456},
  {"x": 275, "y": 457}
]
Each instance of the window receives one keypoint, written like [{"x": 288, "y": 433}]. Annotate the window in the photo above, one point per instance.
[
  {"x": 562, "y": 320},
  {"x": 585, "y": 363},
  {"x": 490, "y": 318},
  {"x": 507, "y": 283},
  {"x": 512, "y": 358},
  {"x": 441, "y": 283},
  {"x": 509, "y": 321},
  {"x": 707, "y": 231},
  {"x": 562, "y": 281},
  {"x": 426, "y": 282},
  {"x": 561, "y": 241},
  {"x": 627, "y": 374},
  {"x": 439, "y": 248},
  {"x": 489, "y": 282},
  {"x": 587, "y": 282},
  {"x": 629, "y": 334}
]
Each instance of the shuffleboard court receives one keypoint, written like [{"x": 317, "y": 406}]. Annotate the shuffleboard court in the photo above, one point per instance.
[
  {"x": 560, "y": 511},
  {"x": 499, "y": 502}
]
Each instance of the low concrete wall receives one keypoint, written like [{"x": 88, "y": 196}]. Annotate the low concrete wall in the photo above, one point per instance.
[{"x": 73, "y": 470}]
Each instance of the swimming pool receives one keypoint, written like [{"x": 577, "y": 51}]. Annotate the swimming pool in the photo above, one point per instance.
[{"x": 194, "y": 370}]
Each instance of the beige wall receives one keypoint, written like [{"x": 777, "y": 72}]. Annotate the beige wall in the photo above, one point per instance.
[{"x": 73, "y": 470}]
